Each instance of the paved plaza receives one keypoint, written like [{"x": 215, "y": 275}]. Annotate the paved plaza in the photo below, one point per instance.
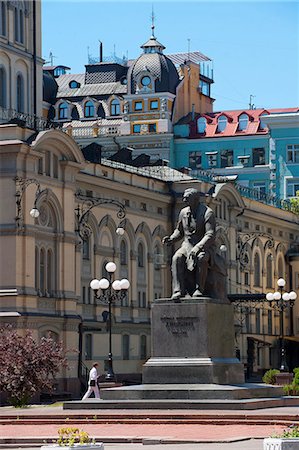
[{"x": 149, "y": 430}]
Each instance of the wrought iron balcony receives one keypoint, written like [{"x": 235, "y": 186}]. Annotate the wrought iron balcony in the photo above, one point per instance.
[{"x": 26, "y": 120}]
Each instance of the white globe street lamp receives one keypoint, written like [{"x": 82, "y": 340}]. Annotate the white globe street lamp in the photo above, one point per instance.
[
  {"x": 281, "y": 300},
  {"x": 109, "y": 291}
]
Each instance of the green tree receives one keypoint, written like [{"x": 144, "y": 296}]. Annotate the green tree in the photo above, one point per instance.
[
  {"x": 27, "y": 366},
  {"x": 292, "y": 204}
]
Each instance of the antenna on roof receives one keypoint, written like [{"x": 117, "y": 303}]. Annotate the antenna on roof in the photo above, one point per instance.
[
  {"x": 188, "y": 48},
  {"x": 251, "y": 105},
  {"x": 153, "y": 22},
  {"x": 51, "y": 58}
]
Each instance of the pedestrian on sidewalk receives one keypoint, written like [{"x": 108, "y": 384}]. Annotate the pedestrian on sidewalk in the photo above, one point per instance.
[{"x": 92, "y": 383}]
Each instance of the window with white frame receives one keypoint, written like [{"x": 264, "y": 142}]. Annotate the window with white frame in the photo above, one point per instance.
[
  {"x": 292, "y": 187},
  {"x": 293, "y": 153},
  {"x": 243, "y": 122},
  {"x": 201, "y": 125},
  {"x": 195, "y": 160},
  {"x": 222, "y": 122},
  {"x": 260, "y": 186}
]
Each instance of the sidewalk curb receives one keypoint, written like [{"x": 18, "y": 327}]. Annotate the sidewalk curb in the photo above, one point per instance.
[{"x": 34, "y": 441}]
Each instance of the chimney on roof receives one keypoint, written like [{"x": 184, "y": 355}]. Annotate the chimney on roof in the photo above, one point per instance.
[{"x": 101, "y": 51}]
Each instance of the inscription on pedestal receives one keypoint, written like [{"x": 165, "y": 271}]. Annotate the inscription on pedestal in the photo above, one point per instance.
[{"x": 179, "y": 326}]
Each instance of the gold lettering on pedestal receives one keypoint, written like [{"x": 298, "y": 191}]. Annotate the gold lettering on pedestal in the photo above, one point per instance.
[{"x": 179, "y": 326}]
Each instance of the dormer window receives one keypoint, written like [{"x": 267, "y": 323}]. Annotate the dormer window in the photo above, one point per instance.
[
  {"x": 115, "y": 107},
  {"x": 243, "y": 122},
  {"x": 62, "y": 110},
  {"x": 201, "y": 125},
  {"x": 222, "y": 122},
  {"x": 89, "y": 109},
  {"x": 74, "y": 84}
]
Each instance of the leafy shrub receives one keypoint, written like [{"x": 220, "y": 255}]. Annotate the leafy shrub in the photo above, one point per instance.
[
  {"x": 296, "y": 376},
  {"x": 68, "y": 437},
  {"x": 291, "y": 432},
  {"x": 27, "y": 366},
  {"x": 269, "y": 376}
]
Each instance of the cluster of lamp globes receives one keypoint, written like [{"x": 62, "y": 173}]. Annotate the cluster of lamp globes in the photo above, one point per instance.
[
  {"x": 103, "y": 283},
  {"x": 286, "y": 296}
]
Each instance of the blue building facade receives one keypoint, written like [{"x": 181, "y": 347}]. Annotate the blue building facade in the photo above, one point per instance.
[{"x": 258, "y": 149}]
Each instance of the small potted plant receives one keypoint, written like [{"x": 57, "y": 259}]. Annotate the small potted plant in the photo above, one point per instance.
[
  {"x": 73, "y": 439},
  {"x": 288, "y": 440}
]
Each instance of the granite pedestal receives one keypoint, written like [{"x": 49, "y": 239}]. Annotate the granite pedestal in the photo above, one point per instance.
[{"x": 192, "y": 342}]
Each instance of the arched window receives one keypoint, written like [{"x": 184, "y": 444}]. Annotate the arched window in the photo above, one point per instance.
[
  {"x": 201, "y": 125},
  {"x": 89, "y": 109},
  {"x": 49, "y": 271},
  {"x": 143, "y": 349},
  {"x": 42, "y": 266},
  {"x": 280, "y": 273},
  {"x": 140, "y": 255},
  {"x": 20, "y": 93},
  {"x": 243, "y": 122},
  {"x": 222, "y": 122},
  {"x": 62, "y": 111},
  {"x": 257, "y": 270},
  {"x": 123, "y": 253},
  {"x": 16, "y": 24},
  {"x": 115, "y": 107},
  {"x": 86, "y": 248},
  {"x": 21, "y": 23},
  {"x": 269, "y": 273},
  {"x": 37, "y": 265},
  {"x": 126, "y": 346},
  {"x": 3, "y": 19},
  {"x": 2, "y": 87}
]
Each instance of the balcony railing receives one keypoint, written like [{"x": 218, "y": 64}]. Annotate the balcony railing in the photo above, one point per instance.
[
  {"x": 91, "y": 132},
  {"x": 26, "y": 120}
]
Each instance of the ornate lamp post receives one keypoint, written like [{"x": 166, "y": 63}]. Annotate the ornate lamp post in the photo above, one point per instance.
[
  {"x": 108, "y": 292},
  {"x": 281, "y": 301}
]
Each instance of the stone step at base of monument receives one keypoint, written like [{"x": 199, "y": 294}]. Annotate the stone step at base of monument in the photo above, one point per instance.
[
  {"x": 242, "y": 404},
  {"x": 190, "y": 391}
]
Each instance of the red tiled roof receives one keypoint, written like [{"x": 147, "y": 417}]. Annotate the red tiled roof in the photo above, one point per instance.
[{"x": 231, "y": 128}]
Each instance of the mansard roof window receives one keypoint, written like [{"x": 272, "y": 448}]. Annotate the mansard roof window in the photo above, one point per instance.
[
  {"x": 89, "y": 109},
  {"x": 74, "y": 84},
  {"x": 201, "y": 125},
  {"x": 63, "y": 111},
  {"x": 222, "y": 122},
  {"x": 243, "y": 122},
  {"x": 115, "y": 107}
]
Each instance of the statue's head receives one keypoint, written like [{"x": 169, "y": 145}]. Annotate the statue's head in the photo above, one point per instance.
[{"x": 191, "y": 194}]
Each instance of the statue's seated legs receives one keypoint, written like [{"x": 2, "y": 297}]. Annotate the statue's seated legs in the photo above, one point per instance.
[{"x": 178, "y": 269}]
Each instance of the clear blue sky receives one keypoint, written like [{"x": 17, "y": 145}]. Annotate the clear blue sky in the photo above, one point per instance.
[{"x": 254, "y": 45}]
